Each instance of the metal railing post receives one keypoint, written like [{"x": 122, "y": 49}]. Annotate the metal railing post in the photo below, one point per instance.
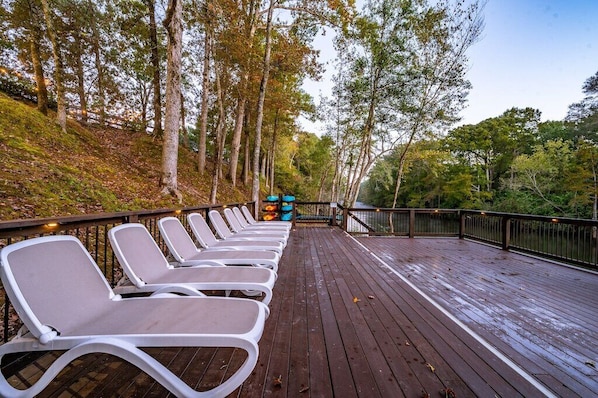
[
  {"x": 294, "y": 216},
  {"x": 345, "y": 217},
  {"x": 333, "y": 207},
  {"x": 506, "y": 232}
]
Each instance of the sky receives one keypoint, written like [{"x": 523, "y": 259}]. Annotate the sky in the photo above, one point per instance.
[{"x": 532, "y": 53}]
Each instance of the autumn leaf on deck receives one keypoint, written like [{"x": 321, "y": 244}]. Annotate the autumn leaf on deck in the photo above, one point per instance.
[
  {"x": 356, "y": 300},
  {"x": 591, "y": 363},
  {"x": 448, "y": 393},
  {"x": 277, "y": 381},
  {"x": 371, "y": 297},
  {"x": 431, "y": 367}
]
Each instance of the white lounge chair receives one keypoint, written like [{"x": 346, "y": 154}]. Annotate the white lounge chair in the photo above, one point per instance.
[
  {"x": 236, "y": 226},
  {"x": 224, "y": 231},
  {"x": 126, "y": 237},
  {"x": 65, "y": 303},
  {"x": 206, "y": 238},
  {"x": 246, "y": 224},
  {"x": 148, "y": 270},
  {"x": 253, "y": 221}
]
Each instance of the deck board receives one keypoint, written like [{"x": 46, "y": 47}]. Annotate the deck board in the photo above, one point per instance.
[
  {"x": 537, "y": 313},
  {"x": 346, "y": 321}
]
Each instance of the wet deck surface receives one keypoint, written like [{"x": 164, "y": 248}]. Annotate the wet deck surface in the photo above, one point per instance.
[{"x": 364, "y": 321}]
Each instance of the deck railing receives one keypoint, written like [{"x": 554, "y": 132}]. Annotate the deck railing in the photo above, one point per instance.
[{"x": 568, "y": 240}]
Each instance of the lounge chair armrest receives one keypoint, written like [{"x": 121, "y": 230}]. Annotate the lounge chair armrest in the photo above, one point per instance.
[{"x": 173, "y": 290}]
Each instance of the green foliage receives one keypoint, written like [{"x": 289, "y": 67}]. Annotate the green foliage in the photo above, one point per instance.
[{"x": 303, "y": 167}]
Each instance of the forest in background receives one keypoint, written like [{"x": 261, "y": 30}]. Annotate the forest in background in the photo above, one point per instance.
[
  {"x": 509, "y": 163},
  {"x": 222, "y": 79}
]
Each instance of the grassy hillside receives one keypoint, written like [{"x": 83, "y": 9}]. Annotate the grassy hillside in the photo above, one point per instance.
[{"x": 44, "y": 172}]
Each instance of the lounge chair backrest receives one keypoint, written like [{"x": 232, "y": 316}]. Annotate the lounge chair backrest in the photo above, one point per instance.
[
  {"x": 240, "y": 217},
  {"x": 232, "y": 220},
  {"x": 201, "y": 230},
  {"x": 177, "y": 239},
  {"x": 219, "y": 224},
  {"x": 52, "y": 283},
  {"x": 248, "y": 215},
  {"x": 137, "y": 252}
]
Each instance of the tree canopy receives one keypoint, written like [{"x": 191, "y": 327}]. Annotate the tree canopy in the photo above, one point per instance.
[{"x": 224, "y": 78}]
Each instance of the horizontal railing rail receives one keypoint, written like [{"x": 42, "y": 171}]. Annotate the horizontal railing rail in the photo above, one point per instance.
[
  {"x": 400, "y": 222},
  {"x": 315, "y": 212},
  {"x": 569, "y": 240}
]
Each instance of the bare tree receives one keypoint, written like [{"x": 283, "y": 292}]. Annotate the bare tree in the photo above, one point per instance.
[
  {"x": 174, "y": 29},
  {"x": 205, "y": 93},
  {"x": 36, "y": 59},
  {"x": 255, "y": 187},
  {"x": 58, "y": 67},
  {"x": 96, "y": 47},
  {"x": 155, "y": 60}
]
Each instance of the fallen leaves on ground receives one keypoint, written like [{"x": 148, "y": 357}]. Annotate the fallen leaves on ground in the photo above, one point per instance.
[{"x": 432, "y": 368}]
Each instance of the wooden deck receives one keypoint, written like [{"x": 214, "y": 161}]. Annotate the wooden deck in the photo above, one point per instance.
[{"x": 392, "y": 317}]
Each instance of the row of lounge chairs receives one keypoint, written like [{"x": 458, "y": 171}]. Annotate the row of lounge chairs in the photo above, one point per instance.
[{"x": 65, "y": 303}]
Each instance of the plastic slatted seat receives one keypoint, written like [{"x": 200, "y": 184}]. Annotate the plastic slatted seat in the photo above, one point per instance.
[
  {"x": 65, "y": 303},
  {"x": 206, "y": 238}
]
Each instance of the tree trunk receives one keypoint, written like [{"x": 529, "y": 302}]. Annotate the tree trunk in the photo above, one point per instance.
[
  {"x": 95, "y": 42},
  {"x": 155, "y": 61},
  {"x": 255, "y": 188},
  {"x": 273, "y": 153},
  {"x": 220, "y": 129},
  {"x": 183, "y": 125},
  {"x": 58, "y": 67},
  {"x": 205, "y": 92},
  {"x": 80, "y": 75},
  {"x": 402, "y": 159},
  {"x": 246, "y": 157},
  {"x": 236, "y": 139},
  {"x": 250, "y": 27},
  {"x": 42, "y": 91},
  {"x": 174, "y": 28}
]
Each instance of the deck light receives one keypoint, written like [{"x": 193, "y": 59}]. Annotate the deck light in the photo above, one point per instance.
[
  {"x": 177, "y": 211},
  {"x": 52, "y": 224},
  {"x": 436, "y": 211},
  {"x": 483, "y": 213},
  {"x": 554, "y": 220},
  {"x": 377, "y": 209}
]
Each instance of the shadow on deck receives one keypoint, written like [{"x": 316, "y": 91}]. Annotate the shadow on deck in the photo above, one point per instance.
[{"x": 392, "y": 317}]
